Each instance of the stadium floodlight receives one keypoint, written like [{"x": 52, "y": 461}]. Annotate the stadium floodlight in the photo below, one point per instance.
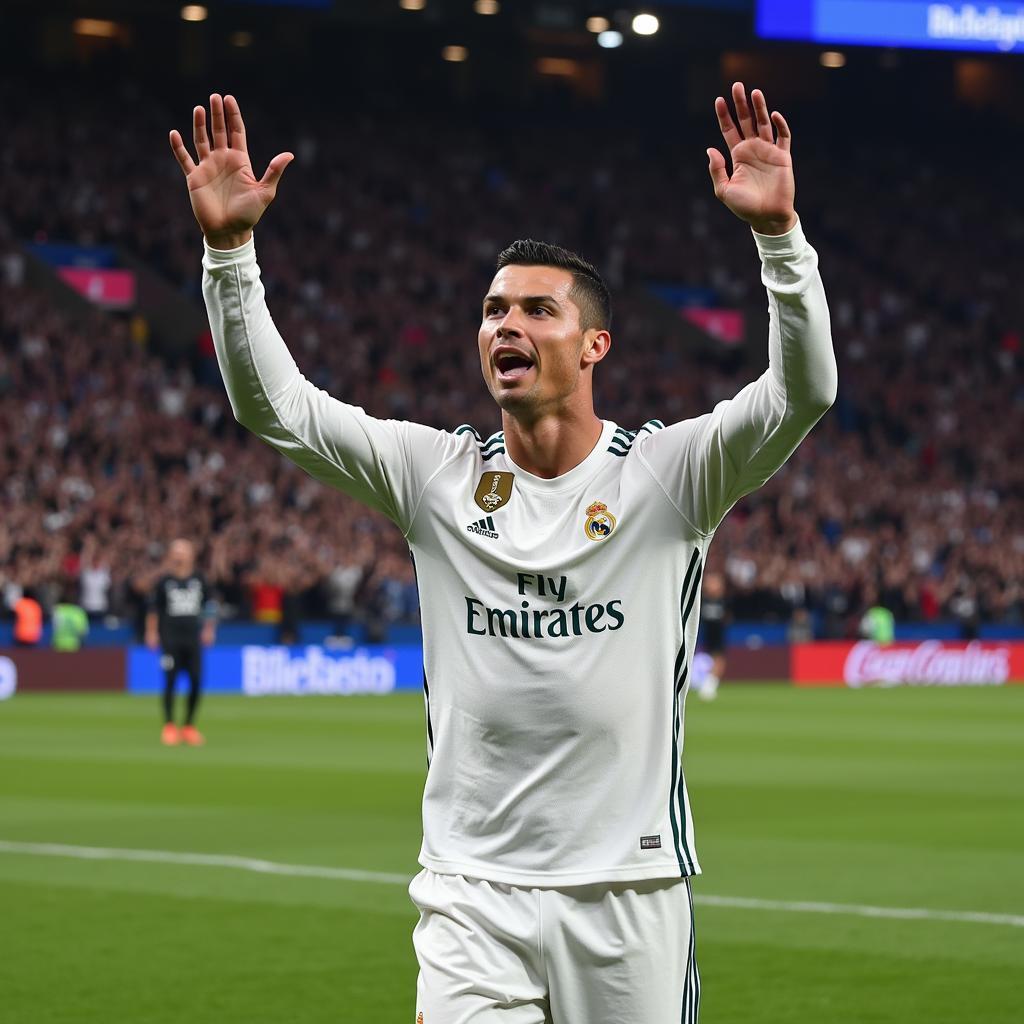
[
  {"x": 609, "y": 39},
  {"x": 645, "y": 24},
  {"x": 832, "y": 59},
  {"x": 240, "y": 39},
  {"x": 455, "y": 54},
  {"x": 486, "y": 6},
  {"x": 412, "y": 5},
  {"x": 598, "y": 25},
  {"x": 194, "y": 12}
]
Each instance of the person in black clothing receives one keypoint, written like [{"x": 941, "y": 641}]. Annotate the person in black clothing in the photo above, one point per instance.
[
  {"x": 714, "y": 616},
  {"x": 180, "y": 622}
]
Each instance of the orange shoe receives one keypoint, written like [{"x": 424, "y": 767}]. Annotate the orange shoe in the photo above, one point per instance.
[
  {"x": 170, "y": 736},
  {"x": 192, "y": 736}
]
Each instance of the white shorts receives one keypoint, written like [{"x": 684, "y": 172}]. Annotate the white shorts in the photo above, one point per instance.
[{"x": 619, "y": 953}]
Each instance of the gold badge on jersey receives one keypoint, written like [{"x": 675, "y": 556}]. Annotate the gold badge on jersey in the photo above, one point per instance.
[
  {"x": 600, "y": 522},
  {"x": 494, "y": 490}
]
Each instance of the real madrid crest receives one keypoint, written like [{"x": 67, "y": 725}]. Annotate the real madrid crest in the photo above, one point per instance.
[
  {"x": 494, "y": 490},
  {"x": 600, "y": 522}
]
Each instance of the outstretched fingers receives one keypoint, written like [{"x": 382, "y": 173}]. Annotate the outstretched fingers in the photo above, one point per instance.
[
  {"x": 785, "y": 135},
  {"x": 751, "y": 120},
  {"x": 236, "y": 126},
  {"x": 199, "y": 136},
  {"x": 739, "y": 100},
  {"x": 181, "y": 154},
  {"x": 275, "y": 169},
  {"x": 217, "y": 122},
  {"x": 730, "y": 132},
  {"x": 716, "y": 168},
  {"x": 763, "y": 122}
]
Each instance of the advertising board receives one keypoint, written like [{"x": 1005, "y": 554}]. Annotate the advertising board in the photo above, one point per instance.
[
  {"x": 265, "y": 671},
  {"x": 918, "y": 24},
  {"x": 924, "y": 663},
  {"x": 39, "y": 670}
]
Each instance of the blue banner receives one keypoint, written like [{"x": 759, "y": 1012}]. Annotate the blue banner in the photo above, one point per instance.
[
  {"x": 67, "y": 254},
  {"x": 259, "y": 671},
  {"x": 913, "y": 23},
  {"x": 683, "y": 295}
]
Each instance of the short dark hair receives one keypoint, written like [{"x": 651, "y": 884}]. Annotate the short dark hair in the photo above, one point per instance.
[{"x": 589, "y": 291}]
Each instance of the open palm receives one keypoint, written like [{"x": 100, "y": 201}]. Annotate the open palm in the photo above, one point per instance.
[
  {"x": 761, "y": 189},
  {"x": 227, "y": 198}
]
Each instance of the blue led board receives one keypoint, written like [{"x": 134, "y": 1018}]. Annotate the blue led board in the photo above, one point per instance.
[{"x": 997, "y": 27}]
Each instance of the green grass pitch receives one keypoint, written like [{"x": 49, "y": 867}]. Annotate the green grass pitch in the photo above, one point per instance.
[{"x": 897, "y": 798}]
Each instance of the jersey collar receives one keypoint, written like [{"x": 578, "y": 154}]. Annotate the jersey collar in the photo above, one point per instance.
[{"x": 585, "y": 469}]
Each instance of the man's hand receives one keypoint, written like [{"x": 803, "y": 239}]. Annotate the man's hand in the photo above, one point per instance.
[
  {"x": 761, "y": 189},
  {"x": 227, "y": 199},
  {"x": 208, "y": 633}
]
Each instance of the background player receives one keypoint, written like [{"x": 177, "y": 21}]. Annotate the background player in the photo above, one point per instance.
[
  {"x": 714, "y": 617},
  {"x": 181, "y": 621},
  {"x": 558, "y": 840}
]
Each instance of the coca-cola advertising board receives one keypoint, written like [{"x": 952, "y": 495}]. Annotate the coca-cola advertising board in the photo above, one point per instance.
[{"x": 917, "y": 663}]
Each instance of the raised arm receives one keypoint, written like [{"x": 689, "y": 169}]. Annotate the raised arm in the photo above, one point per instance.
[
  {"x": 381, "y": 462},
  {"x": 706, "y": 464}
]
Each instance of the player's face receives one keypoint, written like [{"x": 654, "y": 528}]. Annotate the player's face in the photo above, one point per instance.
[
  {"x": 531, "y": 346},
  {"x": 181, "y": 557}
]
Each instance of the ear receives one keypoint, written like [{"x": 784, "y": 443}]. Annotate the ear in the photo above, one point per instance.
[{"x": 596, "y": 345}]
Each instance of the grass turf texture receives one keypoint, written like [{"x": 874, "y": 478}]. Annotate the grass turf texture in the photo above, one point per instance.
[{"x": 904, "y": 798}]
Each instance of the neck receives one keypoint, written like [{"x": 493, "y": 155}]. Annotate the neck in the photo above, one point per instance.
[{"x": 551, "y": 445}]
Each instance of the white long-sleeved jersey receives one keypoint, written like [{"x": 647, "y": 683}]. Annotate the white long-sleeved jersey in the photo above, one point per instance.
[{"x": 559, "y": 616}]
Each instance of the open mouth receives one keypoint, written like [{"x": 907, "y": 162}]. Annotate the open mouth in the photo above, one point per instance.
[{"x": 512, "y": 365}]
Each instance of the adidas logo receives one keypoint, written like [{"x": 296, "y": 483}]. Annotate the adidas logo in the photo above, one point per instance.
[{"x": 485, "y": 527}]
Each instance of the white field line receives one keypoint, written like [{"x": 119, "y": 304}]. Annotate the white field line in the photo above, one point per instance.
[
  {"x": 269, "y": 867},
  {"x": 860, "y": 910},
  {"x": 206, "y": 860}
]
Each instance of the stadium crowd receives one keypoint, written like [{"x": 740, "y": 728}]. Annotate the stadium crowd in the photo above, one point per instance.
[{"x": 375, "y": 258}]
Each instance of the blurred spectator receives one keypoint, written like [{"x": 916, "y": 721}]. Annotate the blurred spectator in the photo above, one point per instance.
[
  {"x": 801, "y": 627},
  {"x": 266, "y": 595},
  {"x": 95, "y": 581},
  {"x": 341, "y": 586},
  {"x": 70, "y": 624},
  {"x": 391, "y": 597},
  {"x": 28, "y": 621},
  {"x": 878, "y": 624}
]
